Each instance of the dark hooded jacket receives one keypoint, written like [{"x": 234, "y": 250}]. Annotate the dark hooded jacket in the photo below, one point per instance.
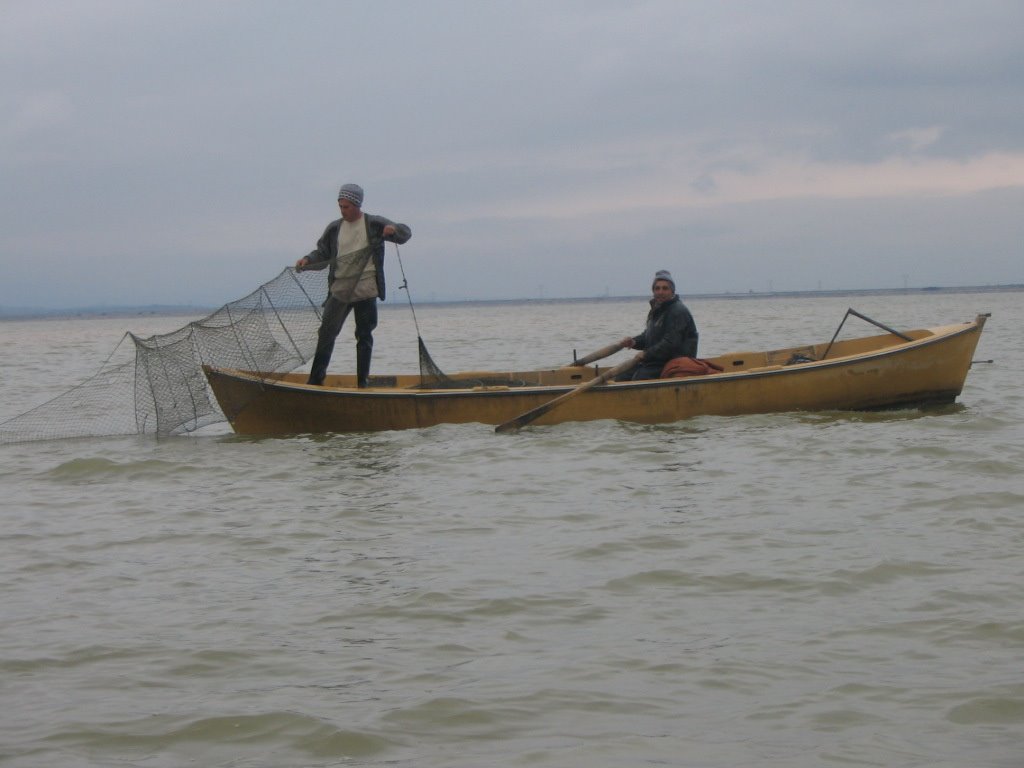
[{"x": 670, "y": 333}]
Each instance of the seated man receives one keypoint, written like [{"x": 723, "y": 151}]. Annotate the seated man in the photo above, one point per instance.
[{"x": 670, "y": 331}]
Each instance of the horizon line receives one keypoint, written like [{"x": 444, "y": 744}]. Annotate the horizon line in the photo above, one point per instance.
[{"x": 26, "y": 313}]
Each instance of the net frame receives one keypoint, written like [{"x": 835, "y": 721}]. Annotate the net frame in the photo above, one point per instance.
[{"x": 161, "y": 389}]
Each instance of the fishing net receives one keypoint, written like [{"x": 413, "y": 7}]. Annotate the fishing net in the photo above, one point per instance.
[
  {"x": 432, "y": 377},
  {"x": 155, "y": 385}
]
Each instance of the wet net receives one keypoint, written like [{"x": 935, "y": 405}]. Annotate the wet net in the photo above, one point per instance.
[{"x": 155, "y": 385}]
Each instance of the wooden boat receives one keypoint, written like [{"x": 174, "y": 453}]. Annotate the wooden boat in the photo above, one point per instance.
[{"x": 891, "y": 370}]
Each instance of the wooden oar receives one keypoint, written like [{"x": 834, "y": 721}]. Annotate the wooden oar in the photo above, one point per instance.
[
  {"x": 602, "y": 353},
  {"x": 523, "y": 419}
]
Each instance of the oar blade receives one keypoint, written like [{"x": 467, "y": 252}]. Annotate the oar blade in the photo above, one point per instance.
[{"x": 520, "y": 421}]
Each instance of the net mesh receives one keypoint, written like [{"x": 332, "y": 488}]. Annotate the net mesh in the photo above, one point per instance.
[
  {"x": 432, "y": 377},
  {"x": 155, "y": 385}
]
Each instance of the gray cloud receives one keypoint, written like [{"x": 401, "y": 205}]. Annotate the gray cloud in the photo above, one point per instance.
[{"x": 186, "y": 152}]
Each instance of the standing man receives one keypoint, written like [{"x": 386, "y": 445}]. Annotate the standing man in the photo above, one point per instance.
[
  {"x": 670, "y": 331},
  {"x": 353, "y": 248}
]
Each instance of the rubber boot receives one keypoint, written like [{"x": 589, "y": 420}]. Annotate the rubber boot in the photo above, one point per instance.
[
  {"x": 318, "y": 371},
  {"x": 363, "y": 366}
]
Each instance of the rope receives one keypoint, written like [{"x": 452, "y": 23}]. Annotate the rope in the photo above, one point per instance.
[{"x": 405, "y": 287}]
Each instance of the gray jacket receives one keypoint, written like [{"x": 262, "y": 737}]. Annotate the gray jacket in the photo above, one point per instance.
[{"x": 326, "y": 252}]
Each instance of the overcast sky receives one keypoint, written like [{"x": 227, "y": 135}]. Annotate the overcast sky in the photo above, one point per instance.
[{"x": 185, "y": 152}]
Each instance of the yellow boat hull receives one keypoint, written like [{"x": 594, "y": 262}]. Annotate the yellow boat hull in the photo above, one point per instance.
[{"x": 868, "y": 373}]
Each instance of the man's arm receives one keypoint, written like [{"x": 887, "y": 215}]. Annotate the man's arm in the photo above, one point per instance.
[
  {"x": 320, "y": 256},
  {"x": 392, "y": 231}
]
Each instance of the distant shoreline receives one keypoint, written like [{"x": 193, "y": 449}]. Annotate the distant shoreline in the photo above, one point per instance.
[{"x": 161, "y": 310}]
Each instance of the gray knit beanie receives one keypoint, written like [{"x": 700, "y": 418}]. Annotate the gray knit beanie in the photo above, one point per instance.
[
  {"x": 353, "y": 193},
  {"x": 664, "y": 274}
]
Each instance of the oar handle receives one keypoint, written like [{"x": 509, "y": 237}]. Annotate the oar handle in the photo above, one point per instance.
[
  {"x": 600, "y": 354},
  {"x": 522, "y": 420}
]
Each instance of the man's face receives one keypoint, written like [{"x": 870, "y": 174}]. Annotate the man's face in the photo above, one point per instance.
[
  {"x": 662, "y": 290},
  {"x": 349, "y": 211}
]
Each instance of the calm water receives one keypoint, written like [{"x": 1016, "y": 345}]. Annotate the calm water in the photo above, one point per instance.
[{"x": 788, "y": 590}]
